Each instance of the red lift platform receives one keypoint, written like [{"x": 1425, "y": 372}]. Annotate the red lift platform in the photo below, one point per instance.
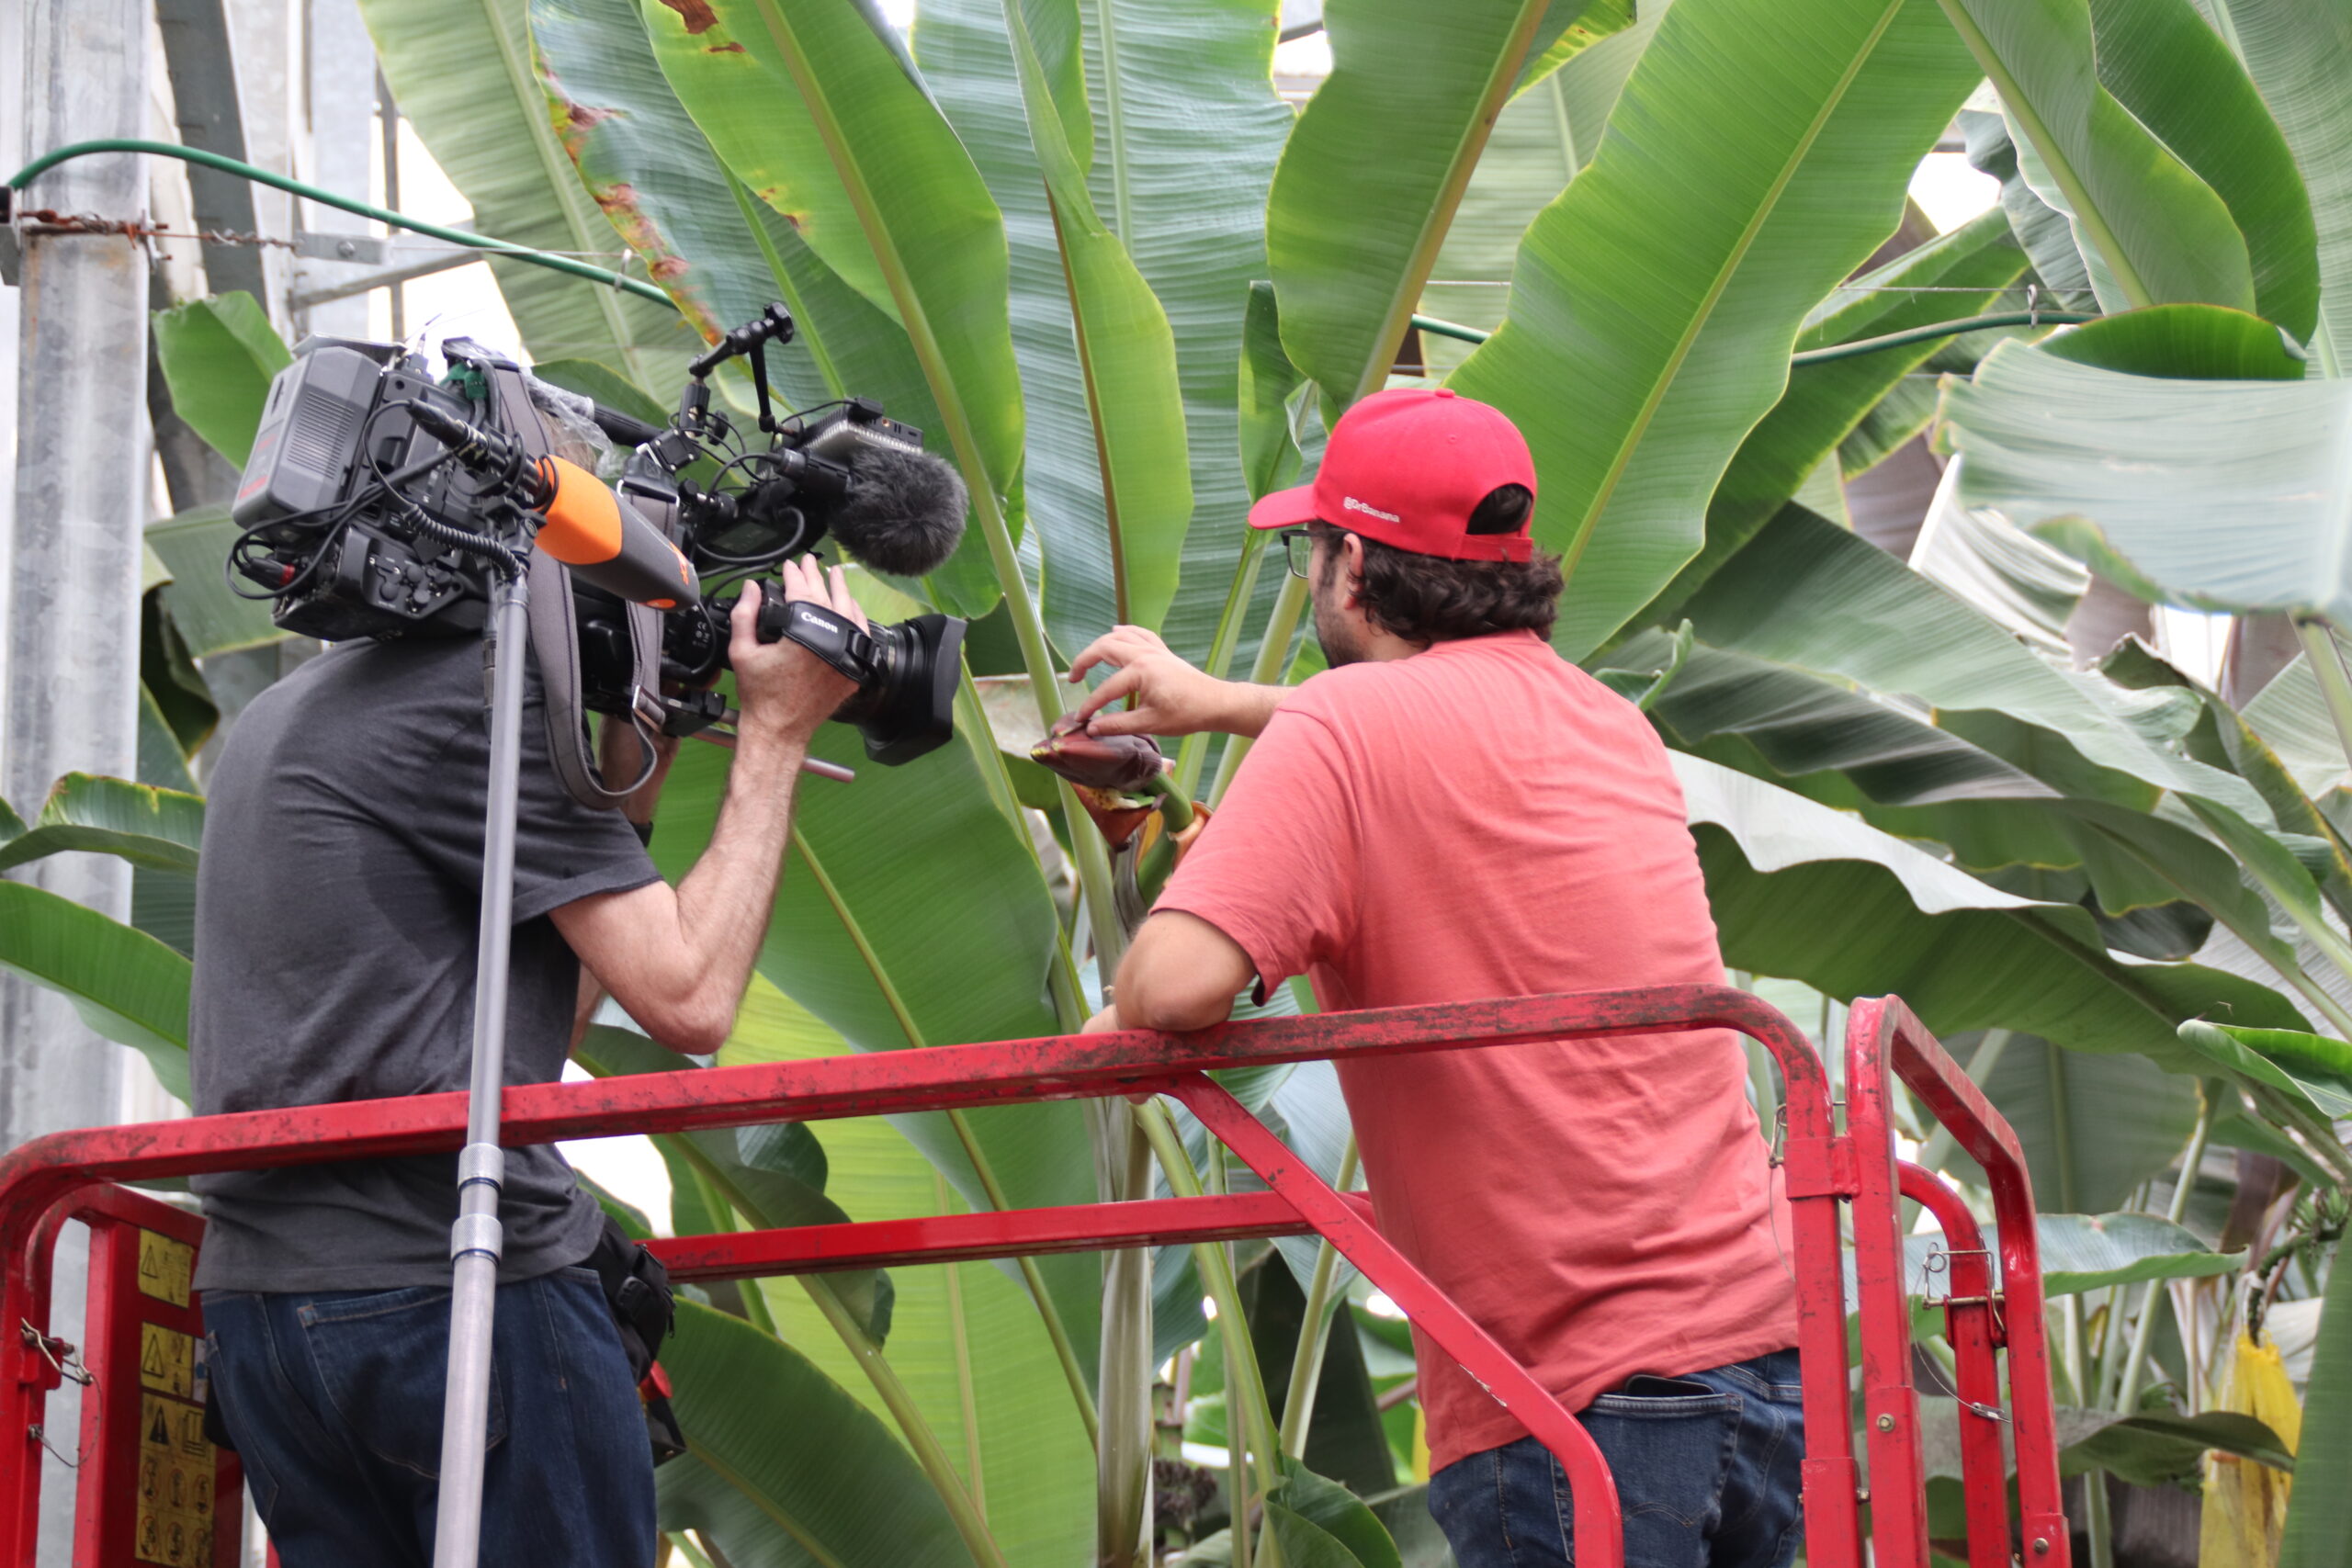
[{"x": 152, "y": 1492}]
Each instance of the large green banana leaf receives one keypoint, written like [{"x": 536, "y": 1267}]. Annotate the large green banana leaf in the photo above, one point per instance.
[
  {"x": 1645, "y": 338},
  {"x": 820, "y": 116},
  {"x": 1808, "y": 594},
  {"x": 157, "y": 828},
  {"x": 1953, "y": 274},
  {"x": 2042, "y": 230},
  {"x": 1807, "y": 892},
  {"x": 2318, "y": 1520},
  {"x": 964, "y": 1341},
  {"x": 2152, "y": 231},
  {"x": 218, "y": 356},
  {"x": 914, "y": 913},
  {"x": 786, "y": 1470},
  {"x": 1182, "y": 170},
  {"x": 2228, "y": 496},
  {"x": 461, "y": 70},
  {"x": 2299, "y": 55},
  {"x": 127, "y": 985},
  {"x": 209, "y": 616},
  {"x": 1372, "y": 176},
  {"x": 703, "y": 238},
  {"x": 2171, "y": 70},
  {"x": 1108, "y": 477},
  {"x": 2093, "y": 1127}
]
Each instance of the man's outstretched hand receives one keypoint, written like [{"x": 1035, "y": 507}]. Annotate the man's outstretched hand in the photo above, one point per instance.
[{"x": 1168, "y": 695}]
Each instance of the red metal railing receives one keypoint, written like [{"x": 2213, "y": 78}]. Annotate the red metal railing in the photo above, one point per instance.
[{"x": 1825, "y": 1165}]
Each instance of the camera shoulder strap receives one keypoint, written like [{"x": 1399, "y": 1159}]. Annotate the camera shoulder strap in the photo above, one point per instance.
[
  {"x": 555, "y": 642},
  {"x": 555, "y": 623}
]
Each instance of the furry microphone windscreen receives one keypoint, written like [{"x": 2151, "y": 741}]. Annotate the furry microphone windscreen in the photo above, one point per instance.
[{"x": 904, "y": 512}]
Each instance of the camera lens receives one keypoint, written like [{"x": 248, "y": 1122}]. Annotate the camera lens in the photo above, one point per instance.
[{"x": 907, "y": 707}]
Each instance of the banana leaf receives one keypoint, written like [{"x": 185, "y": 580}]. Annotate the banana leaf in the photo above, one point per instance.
[
  {"x": 1188, "y": 129},
  {"x": 965, "y": 1342},
  {"x": 1375, "y": 168},
  {"x": 829, "y": 1484},
  {"x": 127, "y": 985},
  {"x": 912, "y": 912},
  {"x": 820, "y": 115},
  {"x": 1810, "y": 596},
  {"x": 2226, "y": 497},
  {"x": 209, "y": 616},
  {"x": 2319, "y": 1519},
  {"x": 1646, "y": 340},
  {"x": 157, "y": 828},
  {"x": 218, "y": 355},
  {"x": 1823, "y": 403},
  {"x": 2151, "y": 232},
  {"x": 2300, "y": 56},
  {"x": 701, "y": 236},
  {"x": 1108, "y": 477},
  {"x": 461, "y": 72},
  {"x": 2166, "y": 65},
  {"x": 2043, "y": 230},
  {"x": 1809, "y": 893}
]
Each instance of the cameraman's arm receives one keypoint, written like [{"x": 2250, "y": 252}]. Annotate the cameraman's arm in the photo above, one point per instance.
[
  {"x": 678, "y": 959},
  {"x": 620, "y": 754}
]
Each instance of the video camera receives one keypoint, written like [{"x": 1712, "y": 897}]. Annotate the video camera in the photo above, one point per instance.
[{"x": 378, "y": 503}]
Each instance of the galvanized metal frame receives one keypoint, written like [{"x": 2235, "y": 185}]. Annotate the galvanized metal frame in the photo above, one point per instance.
[{"x": 1824, "y": 1167}]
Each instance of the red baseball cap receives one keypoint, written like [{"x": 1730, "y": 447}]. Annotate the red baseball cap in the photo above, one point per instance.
[{"x": 1408, "y": 467}]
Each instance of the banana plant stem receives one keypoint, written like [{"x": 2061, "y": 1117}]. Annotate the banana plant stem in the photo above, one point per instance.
[
  {"x": 1248, "y": 1414},
  {"x": 1193, "y": 754},
  {"x": 2127, "y": 1393},
  {"x": 1315, "y": 1330},
  {"x": 1273, "y": 657}
]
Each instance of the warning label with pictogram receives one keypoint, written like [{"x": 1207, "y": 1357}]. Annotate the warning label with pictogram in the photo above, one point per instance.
[
  {"x": 167, "y": 1359},
  {"x": 175, "y": 1521},
  {"x": 164, "y": 1266}
]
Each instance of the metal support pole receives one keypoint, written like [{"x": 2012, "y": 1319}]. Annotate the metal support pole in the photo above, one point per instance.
[
  {"x": 69, "y": 622},
  {"x": 474, "y": 1241}
]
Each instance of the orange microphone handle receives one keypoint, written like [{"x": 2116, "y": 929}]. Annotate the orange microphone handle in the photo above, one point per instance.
[{"x": 608, "y": 542}]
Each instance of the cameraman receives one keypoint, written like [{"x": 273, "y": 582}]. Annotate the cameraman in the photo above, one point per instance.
[
  {"x": 1454, "y": 812},
  {"x": 337, "y": 902}
]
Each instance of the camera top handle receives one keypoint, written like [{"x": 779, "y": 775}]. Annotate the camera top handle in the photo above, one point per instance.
[{"x": 771, "y": 325}]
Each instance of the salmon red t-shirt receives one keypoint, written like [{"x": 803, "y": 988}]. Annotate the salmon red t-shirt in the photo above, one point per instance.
[{"x": 1484, "y": 819}]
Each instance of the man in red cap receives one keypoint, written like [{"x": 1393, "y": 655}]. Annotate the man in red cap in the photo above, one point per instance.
[{"x": 1454, "y": 812}]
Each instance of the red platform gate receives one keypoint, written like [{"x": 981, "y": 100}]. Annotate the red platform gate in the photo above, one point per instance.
[{"x": 128, "y": 1474}]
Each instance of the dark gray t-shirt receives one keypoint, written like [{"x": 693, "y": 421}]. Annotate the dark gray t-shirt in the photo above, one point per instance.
[{"x": 336, "y": 902}]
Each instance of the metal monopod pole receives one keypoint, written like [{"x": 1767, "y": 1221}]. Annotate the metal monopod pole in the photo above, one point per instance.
[{"x": 475, "y": 1241}]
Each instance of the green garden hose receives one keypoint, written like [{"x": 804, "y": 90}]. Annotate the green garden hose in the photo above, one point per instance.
[{"x": 644, "y": 290}]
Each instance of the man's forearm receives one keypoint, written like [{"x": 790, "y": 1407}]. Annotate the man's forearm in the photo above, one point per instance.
[
  {"x": 1249, "y": 706},
  {"x": 724, "y": 902}
]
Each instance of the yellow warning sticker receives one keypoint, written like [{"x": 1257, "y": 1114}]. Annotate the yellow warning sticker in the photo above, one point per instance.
[
  {"x": 175, "y": 1521},
  {"x": 164, "y": 1266},
  {"x": 167, "y": 1359}
]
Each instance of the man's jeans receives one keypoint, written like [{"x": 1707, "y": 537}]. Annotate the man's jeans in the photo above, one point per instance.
[
  {"x": 335, "y": 1402},
  {"x": 1706, "y": 1479}
]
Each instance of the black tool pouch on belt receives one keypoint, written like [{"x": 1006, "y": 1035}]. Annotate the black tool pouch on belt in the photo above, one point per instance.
[{"x": 636, "y": 1288}]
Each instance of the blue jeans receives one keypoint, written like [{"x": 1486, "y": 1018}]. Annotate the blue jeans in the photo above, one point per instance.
[
  {"x": 335, "y": 1402},
  {"x": 1707, "y": 1479}
]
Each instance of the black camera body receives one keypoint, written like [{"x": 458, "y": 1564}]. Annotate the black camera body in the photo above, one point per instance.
[
  {"x": 341, "y": 406},
  {"x": 379, "y": 504}
]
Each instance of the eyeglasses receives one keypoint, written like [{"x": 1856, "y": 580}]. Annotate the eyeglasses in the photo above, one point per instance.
[{"x": 1298, "y": 550}]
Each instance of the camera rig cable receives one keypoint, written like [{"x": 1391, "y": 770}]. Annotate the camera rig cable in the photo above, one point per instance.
[{"x": 644, "y": 290}]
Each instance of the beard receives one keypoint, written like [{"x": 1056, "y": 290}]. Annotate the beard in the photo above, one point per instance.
[{"x": 1337, "y": 638}]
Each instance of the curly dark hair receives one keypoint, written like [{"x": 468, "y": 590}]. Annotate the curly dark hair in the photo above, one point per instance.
[{"x": 1427, "y": 599}]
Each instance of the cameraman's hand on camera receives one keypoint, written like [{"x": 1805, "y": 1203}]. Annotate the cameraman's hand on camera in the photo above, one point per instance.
[
  {"x": 783, "y": 692},
  {"x": 1170, "y": 697}
]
